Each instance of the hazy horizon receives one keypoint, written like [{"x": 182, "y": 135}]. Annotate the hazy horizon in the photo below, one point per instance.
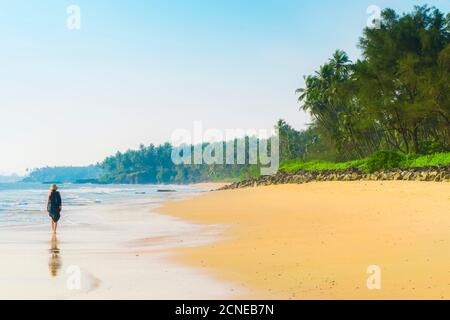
[{"x": 137, "y": 71}]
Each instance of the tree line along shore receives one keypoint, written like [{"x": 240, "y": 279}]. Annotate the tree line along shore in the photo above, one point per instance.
[{"x": 388, "y": 110}]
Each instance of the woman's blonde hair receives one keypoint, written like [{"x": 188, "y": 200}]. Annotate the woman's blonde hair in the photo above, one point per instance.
[{"x": 53, "y": 187}]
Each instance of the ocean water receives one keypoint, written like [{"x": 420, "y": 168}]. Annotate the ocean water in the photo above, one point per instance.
[{"x": 25, "y": 203}]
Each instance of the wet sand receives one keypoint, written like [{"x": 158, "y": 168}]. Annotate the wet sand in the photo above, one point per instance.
[
  {"x": 317, "y": 240},
  {"x": 120, "y": 252}
]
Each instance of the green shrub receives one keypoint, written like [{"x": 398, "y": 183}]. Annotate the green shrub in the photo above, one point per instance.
[
  {"x": 437, "y": 159},
  {"x": 383, "y": 160},
  {"x": 318, "y": 165},
  {"x": 250, "y": 172}
]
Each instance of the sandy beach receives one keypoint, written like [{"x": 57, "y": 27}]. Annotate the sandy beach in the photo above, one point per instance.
[
  {"x": 317, "y": 240},
  {"x": 311, "y": 241}
]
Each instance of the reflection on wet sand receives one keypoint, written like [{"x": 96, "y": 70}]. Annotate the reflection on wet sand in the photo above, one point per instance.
[{"x": 54, "y": 262}]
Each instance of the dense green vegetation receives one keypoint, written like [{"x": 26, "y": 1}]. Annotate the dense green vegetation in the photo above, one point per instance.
[
  {"x": 63, "y": 174},
  {"x": 390, "y": 109},
  {"x": 377, "y": 161},
  {"x": 153, "y": 164},
  {"x": 397, "y": 97}
]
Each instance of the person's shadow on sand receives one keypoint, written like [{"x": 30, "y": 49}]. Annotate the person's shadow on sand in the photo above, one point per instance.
[{"x": 54, "y": 262}]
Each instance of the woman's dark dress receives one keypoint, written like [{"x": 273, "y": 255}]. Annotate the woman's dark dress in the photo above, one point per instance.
[{"x": 54, "y": 206}]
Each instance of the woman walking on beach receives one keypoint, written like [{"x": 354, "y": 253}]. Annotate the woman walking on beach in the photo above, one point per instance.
[{"x": 54, "y": 206}]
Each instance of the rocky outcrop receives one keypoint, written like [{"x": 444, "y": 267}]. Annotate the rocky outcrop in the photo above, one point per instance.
[{"x": 436, "y": 174}]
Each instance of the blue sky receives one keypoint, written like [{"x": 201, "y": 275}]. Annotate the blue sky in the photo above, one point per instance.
[{"x": 138, "y": 70}]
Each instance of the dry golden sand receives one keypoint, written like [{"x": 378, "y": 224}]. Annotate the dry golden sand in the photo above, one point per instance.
[{"x": 316, "y": 241}]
